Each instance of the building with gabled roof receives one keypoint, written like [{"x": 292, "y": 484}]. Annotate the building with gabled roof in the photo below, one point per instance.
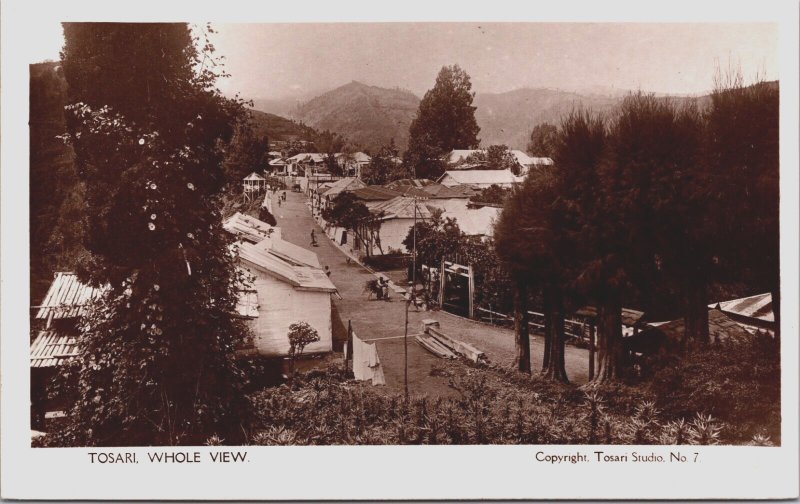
[
  {"x": 396, "y": 218},
  {"x": 479, "y": 179},
  {"x": 528, "y": 163},
  {"x": 374, "y": 194},
  {"x": 342, "y": 185},
  {"x": 286, "y": 291}
]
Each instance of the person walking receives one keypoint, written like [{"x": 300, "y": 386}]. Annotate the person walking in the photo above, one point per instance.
[{"x": 313, "y": 238}]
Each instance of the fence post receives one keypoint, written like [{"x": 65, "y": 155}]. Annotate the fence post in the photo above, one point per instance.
[
  {"x": 591, "y": 351},
  {"x": 471, "y": 289}
]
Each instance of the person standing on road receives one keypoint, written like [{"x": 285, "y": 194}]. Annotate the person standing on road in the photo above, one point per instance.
[{"x": 313, "y": 238}]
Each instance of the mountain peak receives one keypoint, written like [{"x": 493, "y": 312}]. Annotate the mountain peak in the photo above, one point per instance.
[{"x": 369, "y": 116}]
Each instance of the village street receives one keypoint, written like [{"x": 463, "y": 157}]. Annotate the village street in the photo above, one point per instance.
[{"x": 374, "y": 320}]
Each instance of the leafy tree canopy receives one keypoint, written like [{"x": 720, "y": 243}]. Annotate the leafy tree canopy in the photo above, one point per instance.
[
  {"x": 543, "y": 140},
  {"x": 445, "y": 121}
]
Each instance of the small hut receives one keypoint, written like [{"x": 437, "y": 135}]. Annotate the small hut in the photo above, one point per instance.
[{"x": 252, "y": 185}]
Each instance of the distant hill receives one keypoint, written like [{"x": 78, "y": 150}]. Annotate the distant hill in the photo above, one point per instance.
[
  {"x": 368, "y": 116},
  {"x": 371, "y": 115},
  {"x": 508, "y": 118},
  {"x": 279, "y": 128}
]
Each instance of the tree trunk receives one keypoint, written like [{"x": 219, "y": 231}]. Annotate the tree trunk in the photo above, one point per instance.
[
  {"x": 521, "y": 328},
  {"x": 609, "y": 337},
  {"x": 548, "y": 322},
  {"x": 776, "y": 302},
  {"x": 554, "y": 336},
  {"x": 695, "y": 314}
]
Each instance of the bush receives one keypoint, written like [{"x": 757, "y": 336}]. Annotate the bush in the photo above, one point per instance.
[
  {"x": 388, "y": 261},
  {"x": 492, "y": 406},
  {"x": 265, "y": 215},
  {"x": 737, "y": 382}
]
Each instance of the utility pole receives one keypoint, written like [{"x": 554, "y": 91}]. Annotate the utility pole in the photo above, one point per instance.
[
  {"x": 405, "y": 351},
  {"x": 414, "y": 251}
]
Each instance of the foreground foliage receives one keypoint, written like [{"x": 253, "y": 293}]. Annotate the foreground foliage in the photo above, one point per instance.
[{"x": 493, "y": 406}]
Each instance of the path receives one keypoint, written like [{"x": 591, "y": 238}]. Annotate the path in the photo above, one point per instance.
[{"x": 372, "y": 319}]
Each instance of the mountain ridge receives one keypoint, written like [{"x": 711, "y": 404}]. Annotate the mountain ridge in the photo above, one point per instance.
[{"x": 370, "y": 116}]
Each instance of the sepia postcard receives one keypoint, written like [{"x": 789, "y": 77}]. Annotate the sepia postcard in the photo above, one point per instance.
[{"x": 362, "y": 251}]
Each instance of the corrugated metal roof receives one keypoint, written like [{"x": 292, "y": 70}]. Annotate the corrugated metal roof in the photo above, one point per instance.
[
  {"x": 345, "y": 184},
  {"x": 480, "y": 177},
  {"x": 247, "y": 228},
  {"x": 51, "y": 348},
  {"x": 440, "y": 191},
  {"x": 401, "y": 207},
  {"x": 289, "y": 252},
  {"x": 277, "y": 162},
  {"x": 758, "y": 307},
  {"x": 375, "y": 193},
  {"x": 66, "y": 297},
  {"x": 402, "y": 183},
  {"x": 304, "y": 277}
]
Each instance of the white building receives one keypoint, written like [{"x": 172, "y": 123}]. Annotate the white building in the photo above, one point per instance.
[
  {"x": 352, "y": 164},
  {"x": 287, "y": 286},
  {"x": 525, "y": 162},
  {"x": 479, "y": 179},
  {"x": 284, "y": 290},
  {"x": 397, "y": 218}
]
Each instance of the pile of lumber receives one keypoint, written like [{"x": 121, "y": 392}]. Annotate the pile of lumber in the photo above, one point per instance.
[
  {"x": 435, "y": 346},
  {"x": 446, "y": 347}
]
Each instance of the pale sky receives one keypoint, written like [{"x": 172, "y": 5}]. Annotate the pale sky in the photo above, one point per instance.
[{"x": 283, "y": 60}]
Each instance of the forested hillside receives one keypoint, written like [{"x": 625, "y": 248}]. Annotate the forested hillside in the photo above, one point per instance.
[
  {"x": 55, "y": 194},
  {"x": 279, "y": 128},
  {"x": 369, "y": 116}
]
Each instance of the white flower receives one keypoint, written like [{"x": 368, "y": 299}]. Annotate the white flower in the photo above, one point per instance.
[
  {"x": 190, "y": 186},
  {"x": 151, "y": 226},
  {"x": 152, "y": 216},
  {"x": 190, "y": 236},
  {"x": 141, "y": 141},
  {"x": 153, "y": 186}
]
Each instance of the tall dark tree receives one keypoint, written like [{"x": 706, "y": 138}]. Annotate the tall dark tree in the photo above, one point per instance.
[
  {"x": 743, "y": 158},
  {"x": 530, "y": 248},
  {"x": 445, "y": 121},
  {"x": 589, "y": 232},
  {"x": 657, "y": 148},
  {"x": 148, "y": 127}
]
